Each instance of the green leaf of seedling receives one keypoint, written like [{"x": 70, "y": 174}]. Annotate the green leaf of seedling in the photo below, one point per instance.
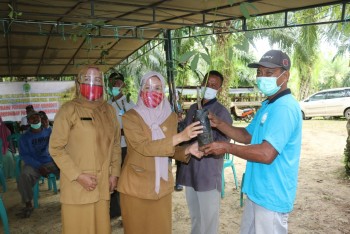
[
  {"x": 186, "y": 56},
  {"x": 194, "y": 62},
  {"x": 10, "y": 7},
  {"x": 10, "y": 15}
]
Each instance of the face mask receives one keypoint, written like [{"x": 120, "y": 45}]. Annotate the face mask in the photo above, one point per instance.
[
  {"x": 151, "y": 99},
  {"x": 35, "y": 126},
  {"x": 91, "y": 92},
  {"x": 209, "y": 93},
  {"x": 268, "y": 85},
  {"x": 115, "y": 91}
]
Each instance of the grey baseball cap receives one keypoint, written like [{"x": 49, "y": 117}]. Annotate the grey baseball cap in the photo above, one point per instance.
[{"x": 273, "y": 59}]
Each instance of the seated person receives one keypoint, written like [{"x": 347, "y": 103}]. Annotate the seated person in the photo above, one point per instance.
[
  {"x": 45, "y": 123},
  {"x": 24, "y": 123},
  {"x": 33, "y": 149}
]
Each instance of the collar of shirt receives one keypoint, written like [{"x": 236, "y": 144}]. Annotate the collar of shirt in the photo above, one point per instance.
[
  {"x": 281, "y": 94},
  {"x": 209, "y": 102}
]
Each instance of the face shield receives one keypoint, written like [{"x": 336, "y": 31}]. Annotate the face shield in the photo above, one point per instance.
[
  {"x": 152, "y": 92},
  {"x": 90, "y": 84}
]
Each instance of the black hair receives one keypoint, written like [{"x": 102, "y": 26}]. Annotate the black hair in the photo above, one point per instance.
[
  {"x": 215, "y": 73},
  {"x": 29, "y": 107},
  {"x": 116, "y": 76}
]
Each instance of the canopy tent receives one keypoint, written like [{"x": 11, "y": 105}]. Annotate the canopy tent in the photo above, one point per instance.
[{"x": 52, "y": 38}]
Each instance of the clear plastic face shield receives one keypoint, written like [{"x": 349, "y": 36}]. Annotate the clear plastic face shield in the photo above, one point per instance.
[
  {"x": 90, "y": 84},
  {"x": 152, "y": 92}
]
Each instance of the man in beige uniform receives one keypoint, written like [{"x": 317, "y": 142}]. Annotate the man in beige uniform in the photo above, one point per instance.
[{"x": 85, "y": 144}]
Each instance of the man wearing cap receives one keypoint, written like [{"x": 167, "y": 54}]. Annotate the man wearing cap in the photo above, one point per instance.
[
  {"x": 34, "y": 151},
  {"x": 272, "y": 150},
  {"x": 24, "y": 123},
  {"x": 121, "y": 105}
]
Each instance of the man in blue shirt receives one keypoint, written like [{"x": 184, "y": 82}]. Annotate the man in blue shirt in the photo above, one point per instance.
[
  {"x": 272, "y": 152},
  {"x": 33, "y": 149},
  {"x": 202, "y": 177}
]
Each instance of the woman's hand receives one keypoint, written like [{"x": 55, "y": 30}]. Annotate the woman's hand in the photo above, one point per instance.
[
  {"x": 188, "y": 133},
  {"x": 88, "y": 181},
  {"x": 191, "y": 131},
  {"x": 193, "y": 149},
  {"x": 113, "y": 181}
]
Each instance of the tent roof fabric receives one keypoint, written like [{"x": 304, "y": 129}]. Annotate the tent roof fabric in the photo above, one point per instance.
[{"x": 53, "y": 38}]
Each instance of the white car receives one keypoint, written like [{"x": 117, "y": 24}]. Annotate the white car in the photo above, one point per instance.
[{"x": 327, "y": 103}]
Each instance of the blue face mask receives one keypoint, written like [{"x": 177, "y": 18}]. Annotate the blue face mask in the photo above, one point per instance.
[
  {"x": 268, "y": 84},
  {"x": 115, "y": 91},
  {"x": 36, "y": 126}
]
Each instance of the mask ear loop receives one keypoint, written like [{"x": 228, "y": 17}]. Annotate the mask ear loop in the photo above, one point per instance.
[{"x": 279, "y": 77}]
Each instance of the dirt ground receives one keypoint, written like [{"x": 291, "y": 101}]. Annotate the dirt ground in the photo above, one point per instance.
[{"x": 322, "y": 204}]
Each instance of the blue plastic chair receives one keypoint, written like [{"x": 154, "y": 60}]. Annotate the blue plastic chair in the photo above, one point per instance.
[
  {"x": 4, "y": 218},
  {"x": 2, "y": 176},
  {"x": 51, "y": 181},
  {"x": 228, "y": 162},
  {"x": 241, "y": 193},
  {"x": 14, "y": 141},
  {"x": 3, "y": 180}
]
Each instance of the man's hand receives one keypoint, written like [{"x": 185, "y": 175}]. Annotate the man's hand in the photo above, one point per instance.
[
  {"x": 113, "y": 181},
  {"x": 193, "y": 149},
  {"x": 44, "y": 171},
  {"x": 214, "y": 120},
  {"x": 216, "y": 148},
  {"x": 88, "y": 181}
]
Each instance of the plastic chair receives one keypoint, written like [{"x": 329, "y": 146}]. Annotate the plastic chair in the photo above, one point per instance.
[
  {"x": 4, "y": 218},
  {"x": 3, "y": 180},
  {"x": 2, "y": 176},
  {"x": 228, "y": 162},
  {"x": 241, "y": 193},
  {"x": 14, "y": 141},
  {"x": 51, "y": 181}
]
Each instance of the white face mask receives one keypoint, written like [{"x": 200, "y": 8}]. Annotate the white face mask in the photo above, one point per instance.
[{"x": 209, "y": 93}]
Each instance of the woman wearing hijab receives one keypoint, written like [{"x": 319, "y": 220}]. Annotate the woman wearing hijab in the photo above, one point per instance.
[
  {"x": 7, "y": 159},
  {"x": 146, "y": 181},
  {"x": 85, "y": 144}
]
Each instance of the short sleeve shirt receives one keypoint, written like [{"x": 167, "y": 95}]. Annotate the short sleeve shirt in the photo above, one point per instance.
[{"x": 273, "y": 186}]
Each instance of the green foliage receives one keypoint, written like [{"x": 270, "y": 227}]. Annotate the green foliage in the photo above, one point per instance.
[{"x": 13, "y": 14}]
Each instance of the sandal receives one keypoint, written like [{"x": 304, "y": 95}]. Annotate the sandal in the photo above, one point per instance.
[{"x": 25, "y": 212}]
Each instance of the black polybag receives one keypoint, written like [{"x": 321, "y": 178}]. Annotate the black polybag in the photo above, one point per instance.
[{"x": 207, "y": 136}]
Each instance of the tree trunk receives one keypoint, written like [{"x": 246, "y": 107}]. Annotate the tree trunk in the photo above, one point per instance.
[
  {"x": 222, "y": 44},
  {"x": 347, "y": 150}
]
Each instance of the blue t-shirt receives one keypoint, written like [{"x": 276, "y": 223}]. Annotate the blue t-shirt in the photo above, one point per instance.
[
  {"x": 273, "y": 186},
  {"x": 34, "y": 147}
]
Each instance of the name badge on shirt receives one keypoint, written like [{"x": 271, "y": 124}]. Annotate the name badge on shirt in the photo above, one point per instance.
[{"x": 263, "y": 119}]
